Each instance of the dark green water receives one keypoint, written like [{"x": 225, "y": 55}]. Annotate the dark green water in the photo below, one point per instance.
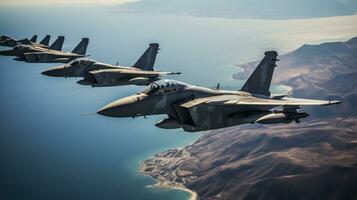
[{"x": 48, "y": 150}]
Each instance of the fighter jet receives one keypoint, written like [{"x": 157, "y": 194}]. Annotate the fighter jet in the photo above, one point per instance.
[
  {"x": 196, "y": 108},
  {"x": 11, "y": 42},
  {"x": 57, "y": 56},
  {"x": 99, "y": 74},
  {"x": 21, "y": 49}
]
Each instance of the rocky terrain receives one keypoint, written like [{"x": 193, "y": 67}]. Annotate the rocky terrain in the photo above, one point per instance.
[
  {"x": 268, "y": 9},
  {"x": 163, "y": 168},
  {"x": 327, "y": 71},
  {"x": 316, "y": 159}
]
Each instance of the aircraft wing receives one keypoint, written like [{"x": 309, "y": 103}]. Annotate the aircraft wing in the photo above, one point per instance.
[
  {"x": 228, "y": 110},
  {"x": 282, "y": 102},
  {"x": 53, "y": 53},
  {"x": 169, "y": 73},
  {"x": 234, "y": 100},
  {"x": 50, "y": 56},
  {"x": 129, "y": 72}
]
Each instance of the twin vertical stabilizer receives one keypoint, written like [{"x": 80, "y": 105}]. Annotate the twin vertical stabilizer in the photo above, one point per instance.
[
  {"x": 147, "y": 60},
  {"x": 260, "y": 80},
  {"x": 57, "y": 45},
  {"x": 81, "y": 48}
]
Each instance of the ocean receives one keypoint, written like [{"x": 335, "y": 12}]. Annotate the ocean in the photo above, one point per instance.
[{"x": 49, "y": 148}]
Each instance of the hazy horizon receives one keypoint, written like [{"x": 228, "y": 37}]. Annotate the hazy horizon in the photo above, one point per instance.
[{"x": 50, "y": 2}]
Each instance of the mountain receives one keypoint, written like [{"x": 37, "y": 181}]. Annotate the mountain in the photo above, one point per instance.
[
  {"x": 271, "y": 9},
  {"x": 324, "y": 71},
  {"x": 297, "y": 161},
  {"x": 316, "y": 159}
]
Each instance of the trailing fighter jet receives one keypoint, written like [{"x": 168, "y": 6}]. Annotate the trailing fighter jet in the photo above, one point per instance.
[
  {"x": 57, "y": 56},
  {"x": 11, "y": 42},
  {"x": 21, "y": 49},
  {"x": 195, "y": 108},
  {"x": 99, "y": 74}
]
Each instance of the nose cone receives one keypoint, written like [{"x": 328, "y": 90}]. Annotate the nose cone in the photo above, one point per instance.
[
  {"x": 8, "y": 53},
  {"x": 125, "y": 107},
  {"x": 59, "y": 71}
]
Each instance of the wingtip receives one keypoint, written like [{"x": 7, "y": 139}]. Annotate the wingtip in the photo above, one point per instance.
[
  {"x": 335, "y": 102},
  {"x": 174, "y": 73}
]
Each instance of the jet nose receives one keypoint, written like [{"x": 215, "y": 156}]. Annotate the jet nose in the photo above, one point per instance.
[
  {"x": 59, "y": 71},
  {"x": 8, "y": 53},
  {"x": 124, "y": 107}
]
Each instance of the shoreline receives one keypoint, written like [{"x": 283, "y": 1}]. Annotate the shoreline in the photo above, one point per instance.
[
  {"x": 193, "y": 194},
  {"x": 162, "y": 168}
]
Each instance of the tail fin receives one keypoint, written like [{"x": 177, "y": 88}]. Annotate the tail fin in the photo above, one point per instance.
[
  {"x": 34, "y": 38},
  {"x": 260, "y": 80},
  {"x": 46, "y": 40},
  {"x": 81, "y": 48},
  {"x": 147, "y": 60},
  {"x": 57, "y": 45}
]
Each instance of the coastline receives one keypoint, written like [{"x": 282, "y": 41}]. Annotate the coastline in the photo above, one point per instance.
[
  {"x": 162, "y": 168},
  {"x": 193, "y": 194}
]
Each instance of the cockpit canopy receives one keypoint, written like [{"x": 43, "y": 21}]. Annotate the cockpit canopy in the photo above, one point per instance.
[
  {"x": 164, "y": 86},
  {"x": 81, "y": 62}
]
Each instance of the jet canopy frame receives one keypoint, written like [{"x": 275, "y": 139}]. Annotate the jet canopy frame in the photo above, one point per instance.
[
  {"x": 76, "y": 62},
  {"x": 163, "y": 87}
]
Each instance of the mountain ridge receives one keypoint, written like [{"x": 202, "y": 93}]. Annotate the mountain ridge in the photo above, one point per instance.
[{"x": 324, "y": 71}]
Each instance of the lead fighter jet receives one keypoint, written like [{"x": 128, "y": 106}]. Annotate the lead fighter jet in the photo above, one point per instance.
[
  {"x": 99, "y": 74},
  {"x": 195, "y": 108}
]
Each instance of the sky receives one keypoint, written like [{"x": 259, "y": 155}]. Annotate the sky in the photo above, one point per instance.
[{"x": 62, "y": 1}]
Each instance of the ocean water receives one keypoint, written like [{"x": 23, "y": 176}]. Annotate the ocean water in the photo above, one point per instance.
[{"x": 50, "y": 150}]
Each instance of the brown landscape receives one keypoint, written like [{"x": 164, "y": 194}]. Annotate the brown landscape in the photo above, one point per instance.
[
  {"x": 316, "y": 159},
  {"x": 325, "y": 71}
]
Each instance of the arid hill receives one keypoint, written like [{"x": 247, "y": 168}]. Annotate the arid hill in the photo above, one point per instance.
[
  {"x": 317, "y": 160},
  {"x": 325, "y": 71}
]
